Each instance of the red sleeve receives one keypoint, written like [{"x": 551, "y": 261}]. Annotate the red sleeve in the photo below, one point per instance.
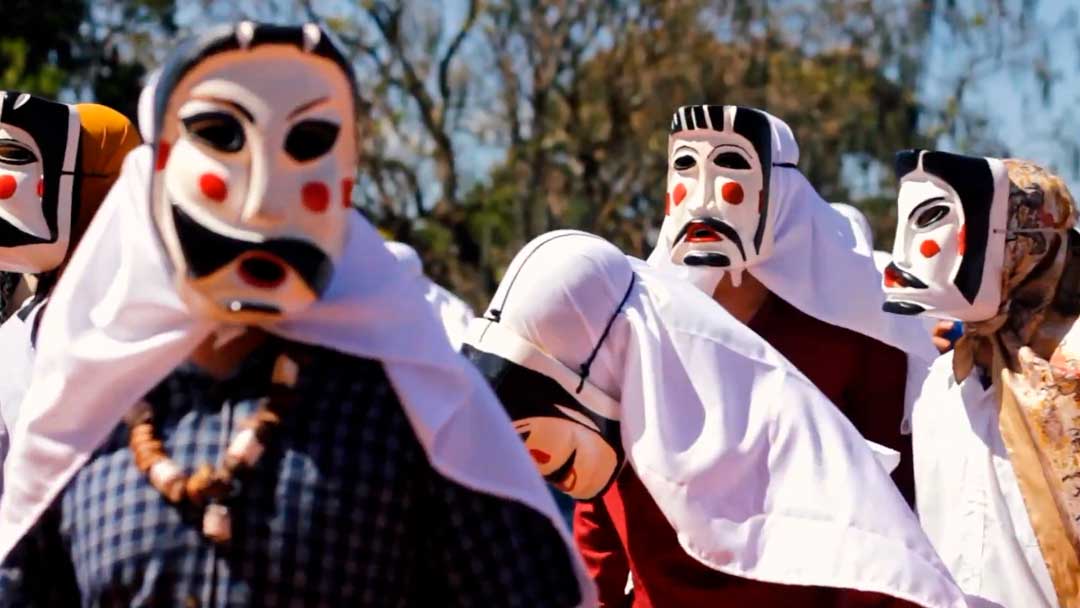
[
  {"x": 876, "y": 407},
  {"x": 602, "y": 551}
]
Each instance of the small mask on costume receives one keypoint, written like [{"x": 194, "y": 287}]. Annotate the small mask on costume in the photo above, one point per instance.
[
  {"x": 256, "y": 152},
  {"x": 950, "y": 237},
  {"x": 39, "y": 154},
  {"x": 719, "y": 163},
  {"x": 569, "y": 426}
]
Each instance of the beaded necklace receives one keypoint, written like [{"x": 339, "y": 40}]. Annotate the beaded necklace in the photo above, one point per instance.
[{"x": 208, "y": 486}]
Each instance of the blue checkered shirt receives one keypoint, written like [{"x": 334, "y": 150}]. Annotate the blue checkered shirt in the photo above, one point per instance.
[{"x": 343, "y": 509}]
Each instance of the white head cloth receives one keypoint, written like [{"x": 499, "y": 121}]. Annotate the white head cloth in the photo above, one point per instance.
[
  {"x": 454, "y": 312},
  {"x": 820, "y": 263},
  {"x": 758, "y": 473},
  {"x": 115, "y": 327}
]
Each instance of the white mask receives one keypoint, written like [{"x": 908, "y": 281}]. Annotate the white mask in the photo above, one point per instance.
[
  {"x": 39, "y": 147},
  {"x": 256, "y": 153},
  {"x": 719, "y": 162},
  {"x": 948, "y": 256}
]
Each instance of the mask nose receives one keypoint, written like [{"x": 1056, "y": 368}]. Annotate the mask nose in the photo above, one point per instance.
[{"x": 264, "y": 207}]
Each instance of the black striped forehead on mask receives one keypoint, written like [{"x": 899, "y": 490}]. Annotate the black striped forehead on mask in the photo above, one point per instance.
[{"x": 709, "y": 117}]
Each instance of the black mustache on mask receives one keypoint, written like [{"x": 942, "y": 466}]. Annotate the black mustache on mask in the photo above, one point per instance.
[
  {"x": 207, "y": 251},
  {"x": 902, "y": 278},
  {"x": 715, "y": 224},
  {"x": 12, "y": 236}
]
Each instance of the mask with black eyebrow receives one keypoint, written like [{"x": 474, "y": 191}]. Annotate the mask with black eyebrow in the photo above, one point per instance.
[
  {"x": 719, "y": 162},
  {"x": 950, "y": 236},
  {"x": 39, "y": 156},
  {"x": 255, "y": 158}
]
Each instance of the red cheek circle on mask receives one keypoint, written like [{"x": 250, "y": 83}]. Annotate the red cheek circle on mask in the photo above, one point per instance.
[
  {"x": 961, "y": 240},
  {"x": 678, "y": 194},
  {"x": 732, "y": 193},
  {"x": 213, "y": 187},
  {"x": 346, "y": 192},
  {"x": 315, "y": 196},
  {"x": 667, "y": 203},
  {"x": 162, "y": 156},
  {"x": 41, "y": 187},
  {"x": 929, "y": 248},
  {"x": 7, "y": 186}
]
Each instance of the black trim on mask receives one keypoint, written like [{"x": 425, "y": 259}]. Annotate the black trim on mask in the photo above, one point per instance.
[
  {"x": 902, "y": 308},
  {"x": 750, "y": 123},
  {"x": 906, "y": 278},
  {"x": 716, "y": 224},
  {"x": 47, "y": 122},
  {"x": 224, "y": 38},
  {"x": 525, "y": 393},
  {"x": 494, "y": 314},
  {"x": 973, "y": 181},
  {"x": 207, "y": 251}
]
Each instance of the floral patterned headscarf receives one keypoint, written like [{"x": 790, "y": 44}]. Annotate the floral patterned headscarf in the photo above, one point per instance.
[{"x": 1041, "y": 212}]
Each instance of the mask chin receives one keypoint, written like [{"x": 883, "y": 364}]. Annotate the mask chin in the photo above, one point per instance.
[
  {"x": 228, "y": 295},
  {"x": 238, "y": 281},
  {"x": 898, "y": 307}
]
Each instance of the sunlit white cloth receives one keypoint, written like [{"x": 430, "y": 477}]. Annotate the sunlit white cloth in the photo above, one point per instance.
[
  {"x": 758, "y": 473},
  {"x": 454, "y": 313},
  {"x": 115, "y": 326},
  {"x": 821, "y": 263},
  {"x": 968, "y": 499}
]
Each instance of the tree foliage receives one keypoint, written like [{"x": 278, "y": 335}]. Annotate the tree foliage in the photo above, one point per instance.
[{"x": 487, "y": 122}]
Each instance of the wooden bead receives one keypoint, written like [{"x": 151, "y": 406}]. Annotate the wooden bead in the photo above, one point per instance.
[
  {"x": 217, "y": 523},
  {"x": 199, "y": 483},
  {"x": 168, "y": 479},
  {"x": 246, "y": 447},
  {"x": 286, "y": 371}
]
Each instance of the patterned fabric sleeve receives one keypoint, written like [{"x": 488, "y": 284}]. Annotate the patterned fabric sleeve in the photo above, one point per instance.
[
  {"x": 38, "y": 573},
  {"x": 487, "y": 551}
]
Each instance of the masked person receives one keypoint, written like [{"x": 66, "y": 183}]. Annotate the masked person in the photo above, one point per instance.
[
  {"x": 743, "y": 224},
  {"x": 454, "y": 312},
  {"x": 990, "y": 242},
  {"x": 240, "y": 400},
  {"x": 57, "y": 162},
  {"x": 753, "y": 491}
]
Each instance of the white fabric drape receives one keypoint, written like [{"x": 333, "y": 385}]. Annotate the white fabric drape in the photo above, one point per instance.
[
  {"x": 115, "y": 327},
  {"x": 968, "y": 499},
  {"x": 821, "y": 263},
  {"x": 757, "y": 472},
  {"x": 454, "y": 312}
]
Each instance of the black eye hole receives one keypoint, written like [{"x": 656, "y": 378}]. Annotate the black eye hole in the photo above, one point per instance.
[
  {"x": 931, "y": 216},
  {"x": 684, "y": 162},
  {"x": 15, "y": 153},
  {"x": 731, "y": 160},
  {"x": 311, "y": 139},
  {"x": 525, "y": 435},
  {"x": 218, "y": 130}
]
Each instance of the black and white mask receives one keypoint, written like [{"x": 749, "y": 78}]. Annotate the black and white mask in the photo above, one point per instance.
[
  {"x": 950, "y": 236},
  {"x": 569, "y": 426},
  {"x": 719, "y": 163},
  {"x": 39, "y": 153},
  {"x": 256, "y": 154}
]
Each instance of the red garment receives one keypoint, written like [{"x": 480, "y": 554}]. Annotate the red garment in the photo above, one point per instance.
[{"x": 624, "y": 531}]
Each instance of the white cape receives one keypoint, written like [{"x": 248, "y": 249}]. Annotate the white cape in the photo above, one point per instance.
[
  {"x": 969, "y": 501},
  {"x": 821, "y": 263},
  {"x": 756, "y": 470},
  {"x": 17, "y": 355},
  {"x": 115, "y": 327},
  {"x": 454, "y": 312}
]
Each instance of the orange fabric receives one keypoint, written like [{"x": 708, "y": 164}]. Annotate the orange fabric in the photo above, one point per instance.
[{"x": 107, "y": 136}]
